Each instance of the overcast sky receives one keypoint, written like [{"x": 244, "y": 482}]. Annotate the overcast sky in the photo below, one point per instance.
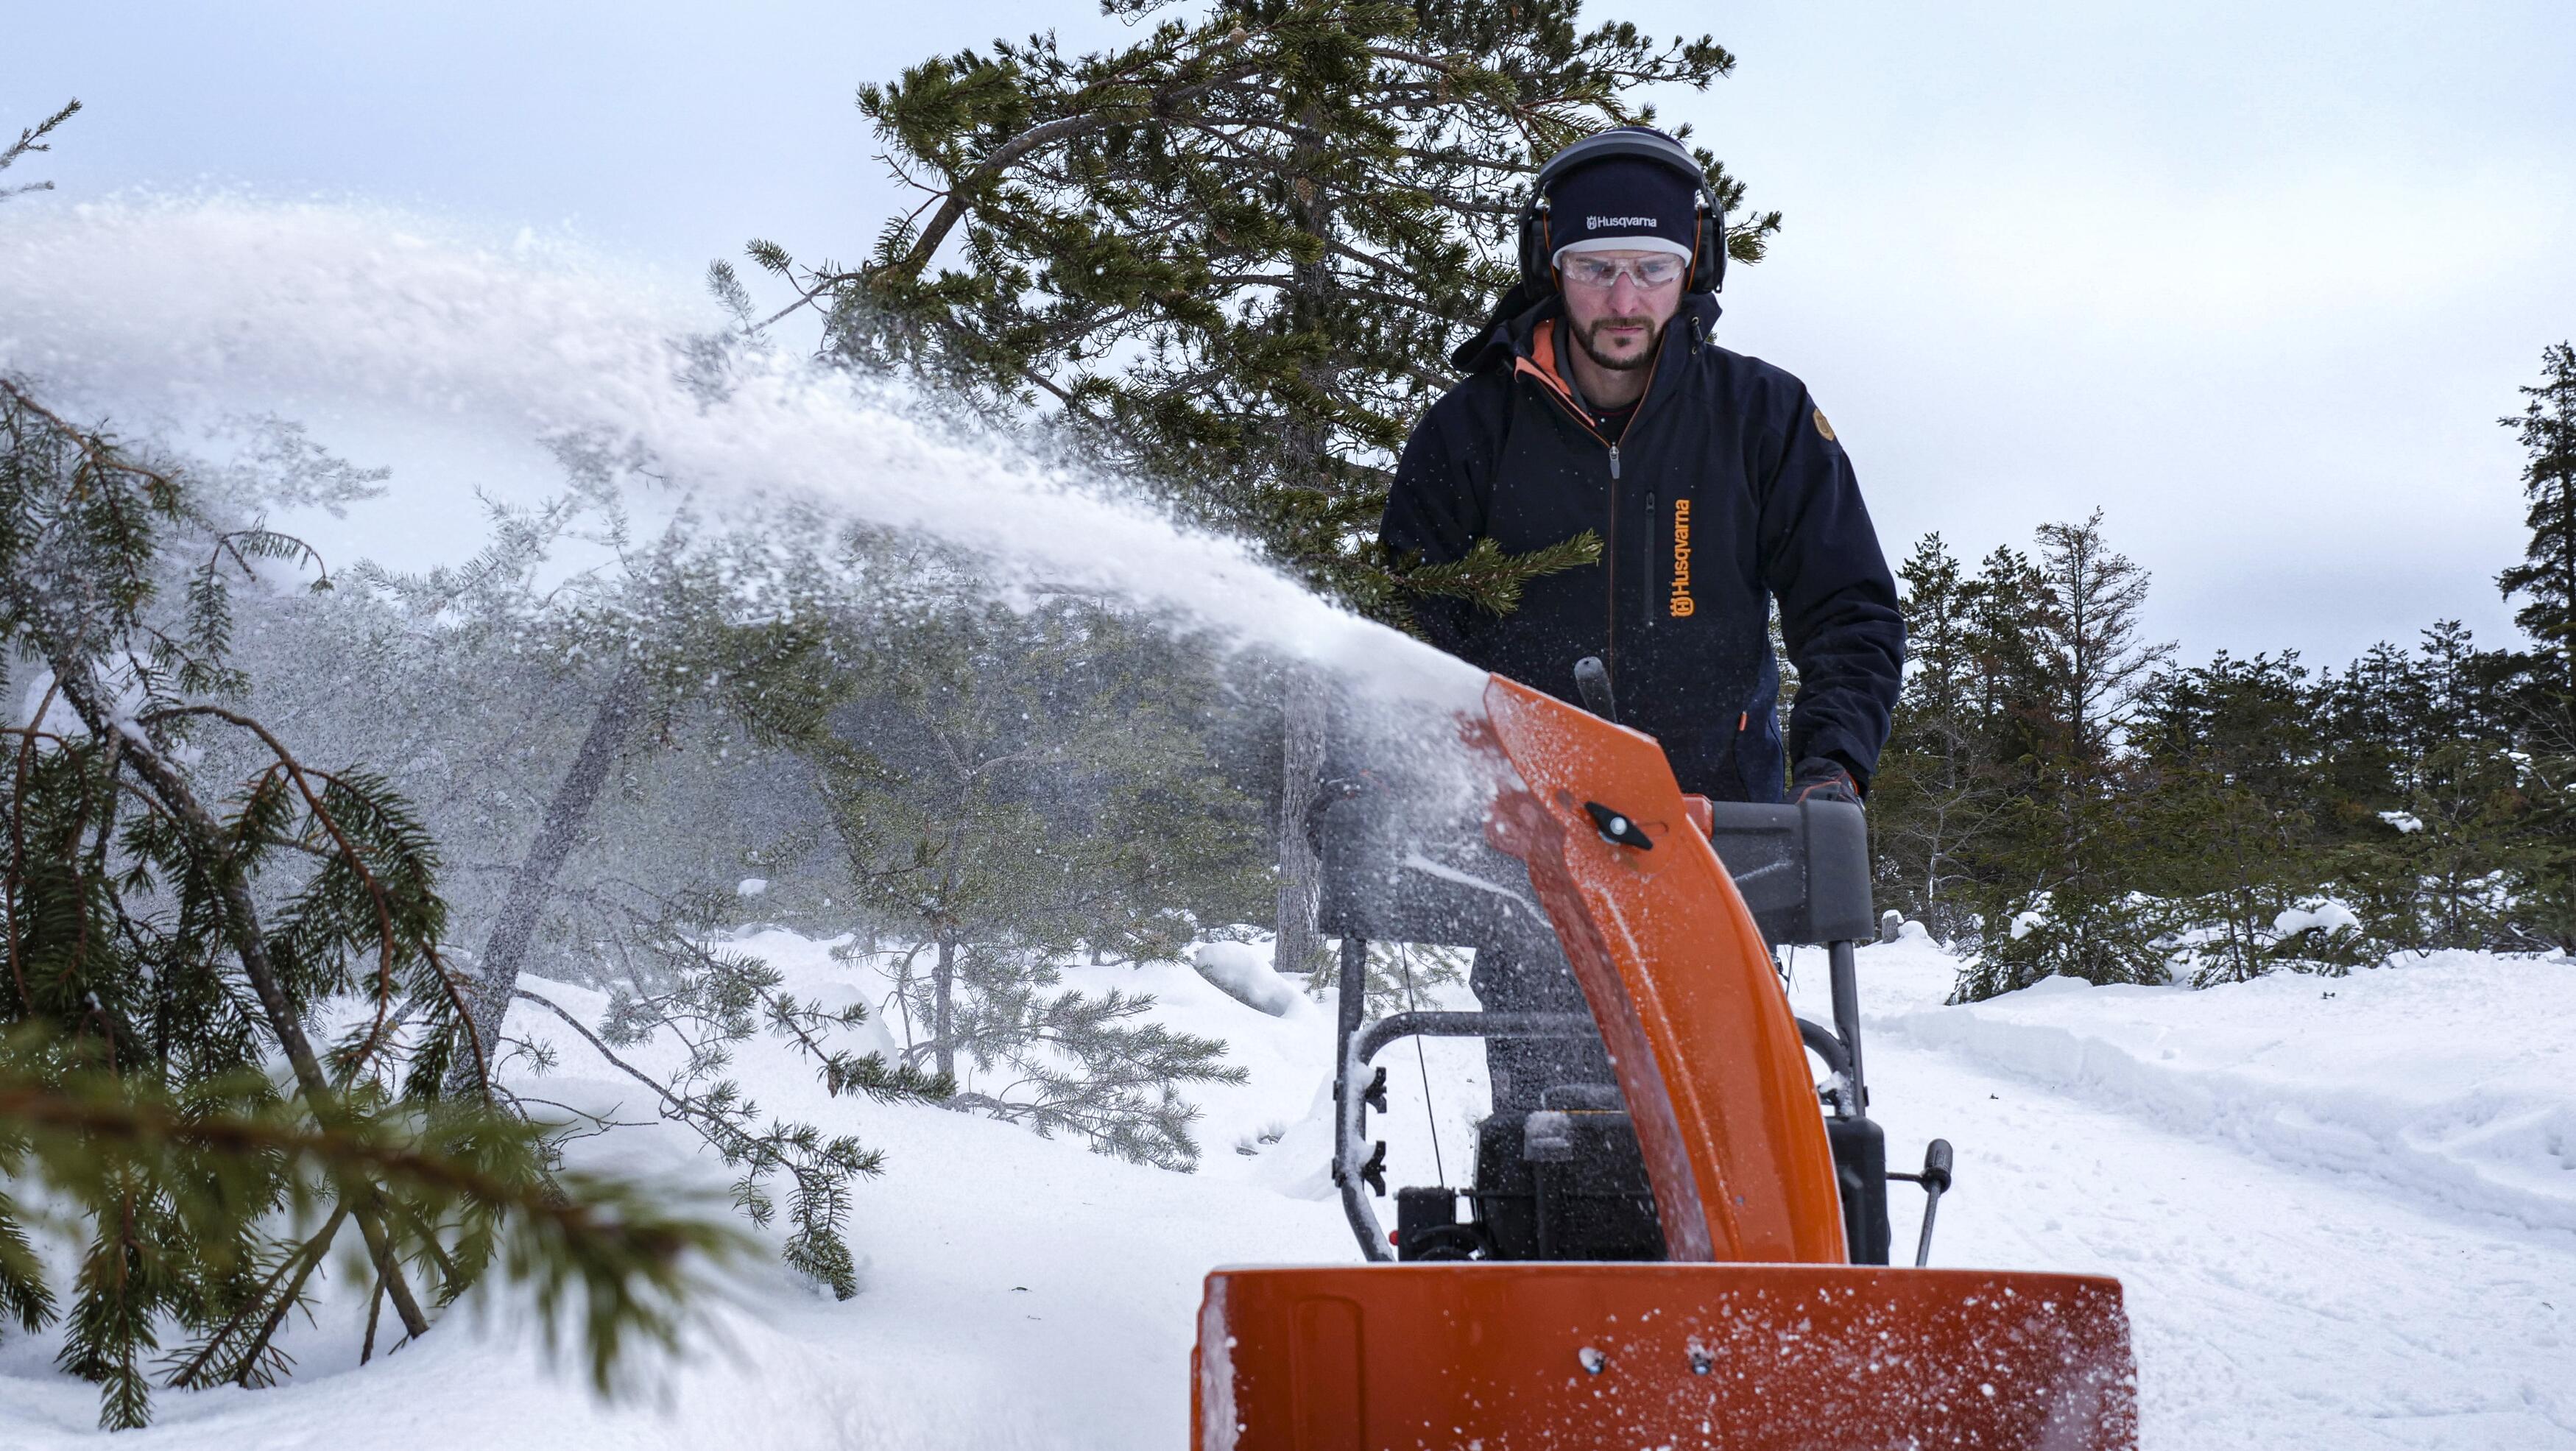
[{"x": 2255, "y": 279}]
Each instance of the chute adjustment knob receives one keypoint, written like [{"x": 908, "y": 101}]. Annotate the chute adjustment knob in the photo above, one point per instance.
[{"x": 1617, "y": 828}]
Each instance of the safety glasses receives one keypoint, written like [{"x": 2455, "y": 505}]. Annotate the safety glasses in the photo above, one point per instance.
[{"x": 1602, "y": 273}]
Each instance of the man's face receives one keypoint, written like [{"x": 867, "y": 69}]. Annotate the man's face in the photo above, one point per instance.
[{"x": 1616, "y": 326}]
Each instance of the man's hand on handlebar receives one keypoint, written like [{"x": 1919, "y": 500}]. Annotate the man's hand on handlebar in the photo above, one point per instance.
[{"x": 1822, "y": 779}]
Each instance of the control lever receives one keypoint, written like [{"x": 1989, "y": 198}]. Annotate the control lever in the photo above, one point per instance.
[
  {"x": 1592, "y": 682},
  {"x": 1935, "y": 1180}
]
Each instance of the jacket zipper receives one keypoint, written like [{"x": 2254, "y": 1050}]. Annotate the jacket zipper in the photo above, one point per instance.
[
  {"x": 1610, "y": 549},
  {"x": 1610, "y": 573}
]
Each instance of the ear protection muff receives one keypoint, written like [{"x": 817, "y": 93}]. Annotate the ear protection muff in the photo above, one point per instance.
[{"x": 1708, "y": 238}]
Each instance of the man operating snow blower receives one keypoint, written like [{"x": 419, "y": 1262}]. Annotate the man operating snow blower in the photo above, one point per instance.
[
  {"x": 1676, "y": 1228},
  {"x": 1598, "y": 400}
]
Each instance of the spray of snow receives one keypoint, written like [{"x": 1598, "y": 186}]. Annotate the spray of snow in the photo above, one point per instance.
[{"x": 187, "y": 310}]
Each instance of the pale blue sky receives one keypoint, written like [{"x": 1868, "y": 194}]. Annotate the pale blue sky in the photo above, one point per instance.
[{"x": 2256, "y": 278}]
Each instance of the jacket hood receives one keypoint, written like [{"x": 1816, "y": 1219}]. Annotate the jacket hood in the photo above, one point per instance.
[{"x": 1506, "y": 334}]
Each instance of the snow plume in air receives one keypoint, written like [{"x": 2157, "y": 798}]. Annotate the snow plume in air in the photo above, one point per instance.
[{"x": 188, "y": 310}]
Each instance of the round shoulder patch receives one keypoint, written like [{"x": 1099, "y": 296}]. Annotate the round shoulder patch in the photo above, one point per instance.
[{"x": 1823, "y": 427}]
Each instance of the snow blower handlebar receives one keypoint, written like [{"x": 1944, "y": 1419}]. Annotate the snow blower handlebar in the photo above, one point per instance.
[
  {"x": 1412, "y": 860},
  {"x": 1592, "y": 682},
  {"x": 1578, "y": 824}
]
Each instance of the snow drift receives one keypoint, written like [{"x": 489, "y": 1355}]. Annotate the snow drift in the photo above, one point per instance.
[{"x": 2444, "y": 1079}]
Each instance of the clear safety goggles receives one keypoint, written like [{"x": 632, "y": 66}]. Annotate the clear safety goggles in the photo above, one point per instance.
[{"x": 1599, "y": 273}]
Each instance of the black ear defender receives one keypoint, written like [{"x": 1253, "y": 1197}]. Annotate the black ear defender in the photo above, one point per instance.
[{"x": 1708, "y": 246}]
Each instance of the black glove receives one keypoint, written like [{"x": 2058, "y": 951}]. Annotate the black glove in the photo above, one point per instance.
[{"x": 1822, "y": 779}]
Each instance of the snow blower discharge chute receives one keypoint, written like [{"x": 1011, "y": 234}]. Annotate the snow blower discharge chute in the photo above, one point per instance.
[{"x": 1674, "y": 1237}]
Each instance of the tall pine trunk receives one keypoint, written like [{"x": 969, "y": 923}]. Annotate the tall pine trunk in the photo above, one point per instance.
[
  {"x": 505, "y": 952},
  {"x": 943, "y": 1011},
  {"x": 1303, "y": 715},
  {"x": 1307, "y": 449}
]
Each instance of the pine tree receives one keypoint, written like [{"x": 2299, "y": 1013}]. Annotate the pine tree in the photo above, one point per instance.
[
  {"x": 2374, "y": 722},
  {"x": 1032, "y": 787},
  {"x": 2091, "y": 658},
  {"x": 2546, "y": 577},
  {"x": 620, "y": 683},
  {"x": 1938, "y": 794},
  {"x": 31, "y": 142},
  {"x": 708, "y": 997},
  {"x": 2006, "y": 604},
  {"x": 2066, "y": 900},
  {"x": 1231, "y": 259},
  {"x": 172, "y": 934},
  {"x": 2429, "y": 801},
  {"x": 2114, "y": 818},
  {"x": 2227, "y": 752}
]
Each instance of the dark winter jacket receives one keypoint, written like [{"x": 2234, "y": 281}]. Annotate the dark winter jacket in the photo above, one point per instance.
[{"x": 1726, "y": 488}]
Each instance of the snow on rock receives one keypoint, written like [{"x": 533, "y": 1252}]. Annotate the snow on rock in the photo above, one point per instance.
[
  {"x": 1239, "y": 968},
  {"x": 2328, "y": 916},
  {"x": 2031, "y": 918},
  {"x": 751, "y": 887}
]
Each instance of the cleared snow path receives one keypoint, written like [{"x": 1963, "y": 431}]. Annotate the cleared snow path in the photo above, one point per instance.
[{"x": 2293, "y": 1278}]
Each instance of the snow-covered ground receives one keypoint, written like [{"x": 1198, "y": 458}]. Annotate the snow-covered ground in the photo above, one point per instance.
[{"x": 2344, "y": 1210}]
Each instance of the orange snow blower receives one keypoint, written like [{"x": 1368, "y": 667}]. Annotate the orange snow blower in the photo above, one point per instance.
[{"x": 1675, "y": 1237}]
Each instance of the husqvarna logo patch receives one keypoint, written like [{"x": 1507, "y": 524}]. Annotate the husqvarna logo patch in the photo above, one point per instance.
[
  {"x": 1595, "y": 224},
  {"x": 1680, "y": 603}
]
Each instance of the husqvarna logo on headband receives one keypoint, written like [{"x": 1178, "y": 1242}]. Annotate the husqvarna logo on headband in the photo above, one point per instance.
[{"x": 1594, "y": 224}]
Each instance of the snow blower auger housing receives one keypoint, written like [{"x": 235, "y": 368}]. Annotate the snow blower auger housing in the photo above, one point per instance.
[{"x": 1668, "y": 1241}]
